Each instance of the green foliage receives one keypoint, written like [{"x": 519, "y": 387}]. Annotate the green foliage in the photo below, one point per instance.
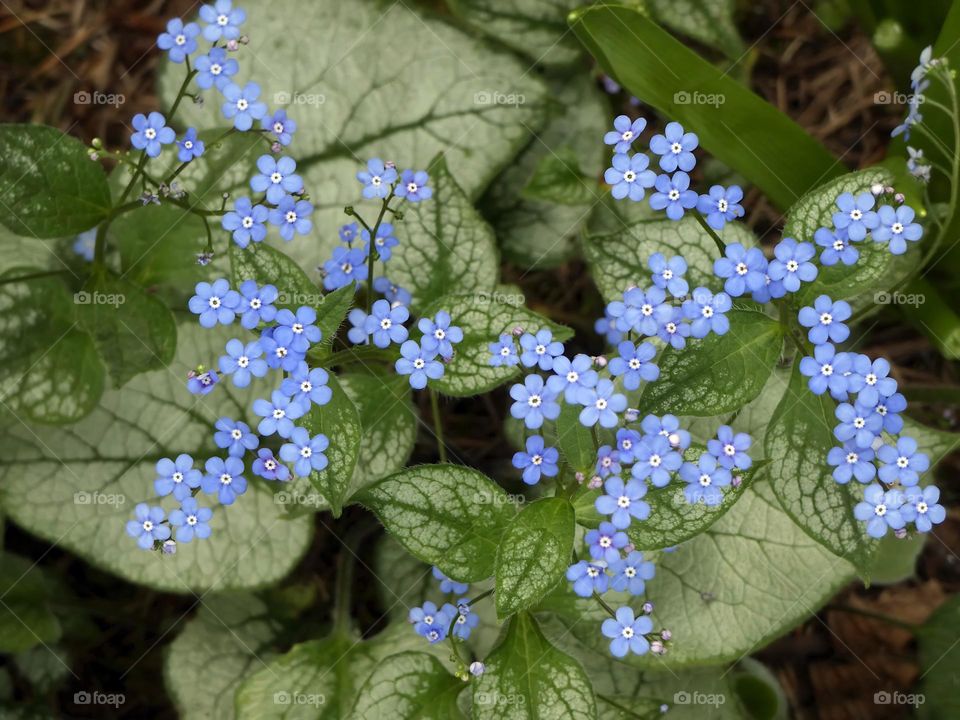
[
  {"x": 26, "y": 619},
  {"x": 575, "y": 440},
  {"x": 409, "y": 686},
  {"x": 939, "y": 656}
]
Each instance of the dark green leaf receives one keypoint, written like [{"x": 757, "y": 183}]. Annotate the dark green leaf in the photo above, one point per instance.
[
  {"x": 558, "y": 179},
  {"x": 25, "y": 617},
  {"x": 409, "y": 686},
  {"x": 939, "y": 664},
  {"x": 575, "y": 440}
]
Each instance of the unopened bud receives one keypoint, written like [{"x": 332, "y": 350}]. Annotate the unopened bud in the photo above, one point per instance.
[
  {"x": 596, "y": 482},
  {"x": 477, "y": 668},
  {"x": 656, "y": 647},
  {"x": 900, "y": 198},
  {"x": 276, "y": 147},
  {"x": 600, "y": 361},
  {"x": 736, "y": 481},
  {"x": 198, "y": 100},
  {"x": 631, "y": 415},
  {"x": 900, "y": 534},
  {"x": 579, "y": 477},
  {"x": 233, "y": 45},
  {"x": 517, "y": 331},
  {"x": 169, "y": 547},
  {"x": 391, "y": 165},
  {"x": 666, "y": 635},
  {"x": 877, "y": 189},
  {"x": 647, "y": 607}
]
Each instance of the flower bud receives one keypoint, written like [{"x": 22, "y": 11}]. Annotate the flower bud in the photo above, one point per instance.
[
  {"x": 900, "y": 534},
  {"x": 276, "y": 147},
  {"x": 596, "y": 482},
  {"x": 631, "y": 415},
  {"x": 518, "y": 331},
  {"x": 736, "y": 481},
  {"x": 477, "y": 668},
  {"x": 877, "y": 189},
  {"x": 900, "y": 198},
  {"x": 169, "y": 547},
  {"x": 666, "y": 635},
  {"x": 647, "y": 608},
  {"x": 198, "y": 100},
  {"x": 656, "y": 647},
  {"x": 600, "y": 361},
  {"x": 233, "y": 45},
  {"x": 579, "y": 477}
]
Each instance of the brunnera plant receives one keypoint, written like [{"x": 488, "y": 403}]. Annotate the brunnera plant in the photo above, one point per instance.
[{"x": 731, "y": 448}]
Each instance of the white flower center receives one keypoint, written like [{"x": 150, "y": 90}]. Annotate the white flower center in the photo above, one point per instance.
[
  {"x": 280, "y": 352},
  {"x": 627, "y": 136},
  {"x": 634, "y": 364},
  {"x": 671, "y": 327},
  {"x": 627, "y": 632},
  {"x": 191, "y": 520},
  {"x": 729, "y": 450},
  {"x": 655, "y": 460},
  {"x": 256, "y": 303},
  {"x": 180, "y": 39},
  {"x": 279, "y": 413},
  {"x": 419, "y": 363},
  {"x": 306, "y": 386},
  {"x": 214, "y": 302},
  {"x": 826, "y": 318},
  {"x": 674, "y": 194},
  {"x": 540, "y": 349},
  {"x": 412, "y": 187},
  {"x": 742, "y": 268},
  {"x": 921, "y": 507},
  {"x": 270, "y": 464},
  {"x": 722, "y": 205},
  {"x": 536, "y": 459},
  {"x": 853, "y": 458},
  {"x": 859, "y": 423},
  {"x": 646, "y": 309},
  {"x": 439, "y": 334},
  {"x": 870, "y": 379},
  {"x": 896, "y": 228},
  {"x": 276, "y": 178},
  {"x": 236, "y": 434},
  {"x": 626, "y": 443},
  {"x": 243, "y": 361},
  {"x": 573, "y": 376},
  {"x": 629, "y": 176},
  {"x": 792, "y": 265},
  {"x": 242, "y": 104},
  {"x": 707, "y": 311},
  {"x": 216, "y": 69},
  {"x": 247, "y": 222},
  {"x": 605, "y": 541},
  {"x": 676, "y": 148},
  {"x": 291, "y": 217},
  {"x": 147, "y": 525},
  {"x": 278, "y": 128},
  {"x": 188, "y": 144},
  {"x": 667, "y": 274},
  {"x": 306, "y": 451},
  {"x": 601, "y": 404},
  {"x": 630, "y": 572},
  {"x": 705, "y": 480},
  {"x": 222, "y": 20},
  {"x": 903, "y": 462},
  {"x": 880, "y": 510},
  {"x": 838, "y": 245},
  {"x": 504, "y": 351},
  {"x": 226, "y": 479},
  {"x": 826, "y": 369},
  {"x": 386, "y": 324},
  {"x": 534, "y": 401},
  {"x": 623, "y": 502},
  {"x": 149, "y": 133},
  {"x": 856, "y": 214}
]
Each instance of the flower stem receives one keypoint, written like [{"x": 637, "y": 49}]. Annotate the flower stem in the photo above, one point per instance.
[
  {"x": 603, "y": 604},
  {"x": 371, "y": 257},
  {"x": 437, "y": 424},
  {"x": 875, "y": 616},
  {"x": 721, "y": 246}
]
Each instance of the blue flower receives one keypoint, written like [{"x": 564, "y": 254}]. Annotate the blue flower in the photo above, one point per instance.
[
  {"x": 827, "y": 370},
  {"x": 627, "y": 443},
  {"x": 791, "y": 263},
  {"x": 305, "y": 452},
  {"x": 572, "y": 376},
  {"x": 349, "y": 232},
  {"x": 147, "y": 527},
  {"x": 902, "y": 463},
  {"x": 357, "y": 334},
  {"x": 870, "y": 380},
  {"x": 189, "y": 147},
  {"x": 385, "y": 323},
  {"x": 439, "y": 334},
  {"x": 223, "y": 20},
  {"x": 706, "y": 311},
  {"x": 721, "y": 205},
  {"x": 215, "y": 69},
  {"x": 503, "y": 352},
  {"x": 466, "y": 620},
  {"x": 922, "y": 508},
  {"x": 836, "y": 247},
  {"x": 347, "y": 265},
  {"x": 246, "y": 222},
  {"x": 673, "y": 195},
  {"x": 587, "y": 578},
  {"x": 307, "y": 387},
  {"x": 880, "y": 510},
  {"x": 179, "y": 40},
  {"x": 607, "y": 326},
  {"x": 771, "y": 289},
  {"x": 419, "y": 363},
  {"x": 640, "y": 310},
  {"x": 624, "y": 133},
  {"x": 243, "y": 362},
  {"x": 151, "y": 133},
  {"x": 539, "y": 350},
  {"x": 384, "y": 243},
  {"x": 277, "y": 178},
  {"x": 675, "y": 148},
  {"x": 857, "y": 423},
  {"x": 629, "y": 176},
  {"x": 605, "y": 543},
  {"x": 191, "y": 520},
  {"x": 293, "y": 216},
  {"x": 897, "y": 227},
  {"x": 537, "y": 461},
  {"x": 856, "y": 215},
  {"x": 447, "y": 585},
  {"x": 215, "y": 303},
  {"x": 850, "y": 461},
  {"x": 668, "y": 274},
  {"x": 655, "y": 460},
  {"x": 268, "y": 467},
  {"x": 913, "y": 117},
  {"x": 224, "y": 479},
  {"x": 394, "y": 294},
  {"x": 631, "y": 572},
  {"x": 278, "y": 414},
  {"x": 413, "y": 186},
  {"x": 176, "y": 476},
  {"x": 256, "y": 304},
  {"x": 623, "y": 502},
  {"x": 533, "y": 403},
  {"x": 742, "y": 269},
  {"x": 704, "y": 480},
  {"x": 202, "y": 383},
  {"x": 430, "y": 622},
  {"x": 730, "y": 449},
  {"x": 278, "y": 348},
  {"x": 889, "y": 409},
  {"x": 281, "y": 126},
  {"x": 634, "y": 364},
  {"x": 825, "y": 320},
  {"x": 303, "y": 326},
  {"x": 234, "y": 437},
  {"x": 85, "y": 244},
  {"x": 377, "y": 179},
  {"x": 626, "y": 633},
  {"x": 241, "y": 104},
  {"x": 669, "y": 427},
  {"x": 601, "y": 404},
  {"x": 672, "y": 329}
]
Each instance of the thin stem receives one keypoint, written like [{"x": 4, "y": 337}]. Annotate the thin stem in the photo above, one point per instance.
[
  {"x": 437, "y": 424},
  {"x": 32, "y": 276},
  {"x": 371, "y": 257},
  {"x": 623, "y": 708},
  {"x": 604, "y": 605},
  {"x": 136, "y": 174},
  {"x": 721, "y": 246},
  {"x": 875, "y": 616},
  {"x": 183, "y": 90}
]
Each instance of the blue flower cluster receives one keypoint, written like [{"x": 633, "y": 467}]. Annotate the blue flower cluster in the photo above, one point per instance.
[
  {"x": 919, "y": 82},
  {"x": 630, "y": 176},
  {"x": 869, "y": 412},
  {"x": 436, "y": 624}
]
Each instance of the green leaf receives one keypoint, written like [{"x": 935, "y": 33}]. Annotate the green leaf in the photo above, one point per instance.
[
  {"x": 575, "y": 440},
  {"x": 446, "y": 246},
  {"x": 526, "y": 678},
  {"x": 742, "y": 130},
  {"x": 534, "y": 552},
  {"x": 816, "y": 208},
  {"x": 26, "y": 619},
  {"x": 558, "y": 179},
  {"x": 78, "y": 485},
  {"x": 409, "y": 686},
  {"x": 354, "y": 104},
  {"x": 446, "y": 515},
  {"x": 229, "y": 639},
  {"x": 728, "y": 591},
  {"x": 541, "y": 233},
  {"x": 49, "y": 187},
  {"x": 340, "y": 422},
  {"x": 939, "y": 659},
  {"x": 719, "y": 373},
  {"x": 707, "y": 21},
  {"x": 618, "y": 260},
  {"x": 50, "y": 370},
  {"x": 483, "y": 317},
  {"x": 797, "y": 443},
  {"x": 134, "y": 332}
]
